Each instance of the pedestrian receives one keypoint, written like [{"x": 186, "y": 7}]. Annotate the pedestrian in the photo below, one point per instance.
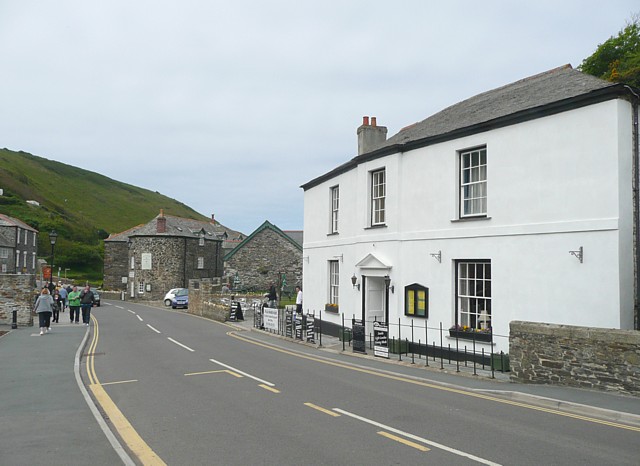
[
  {"x": 57, "y": 304},
  {"x": 86, "y": 302},
  {"x": 74, "y": 305},
  {"x": 51, "y": 288},
  {"x": 44, "y": 308},
  {"x": 298, "y": 300},
  {"x": 63, "y": 295},
  {"x": 273, "y": 296}
]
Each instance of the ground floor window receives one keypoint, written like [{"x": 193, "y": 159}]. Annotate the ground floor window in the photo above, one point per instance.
[
  {"x": 334, "y": 282},
  {"x": 141, "y": 287},
  {"x": 473, "y": 290}
]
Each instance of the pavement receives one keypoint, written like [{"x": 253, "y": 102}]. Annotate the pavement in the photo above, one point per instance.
[{"x": 47, "y": 416}]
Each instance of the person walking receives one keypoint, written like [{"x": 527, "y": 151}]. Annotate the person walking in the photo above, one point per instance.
[
  {"x": 44, "y": 308},
  {"x": 273, "y": 296},
  {"x": 74, "y": 305},
  {"x": 57, "y": 305},
  {"x": 86, "y": 302},
  {"x": 298, "y": 300},
  {"x": 64, "y": 294}
]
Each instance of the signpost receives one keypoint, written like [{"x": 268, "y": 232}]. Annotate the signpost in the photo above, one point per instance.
[
  {"x": 381, "y": 340},
  {"x": 358, "y": 342}
]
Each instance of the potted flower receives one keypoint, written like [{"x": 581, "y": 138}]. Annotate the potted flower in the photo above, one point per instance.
[
  {"x": 470, "y": 333},
  {"x": 331, "y": 307}
]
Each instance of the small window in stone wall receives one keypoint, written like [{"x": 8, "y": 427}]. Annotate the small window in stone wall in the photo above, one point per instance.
[
  {"x": 201, "y": 262},
  {"x": 141, "y": 287},
  {"x": 133, "y": 262}
]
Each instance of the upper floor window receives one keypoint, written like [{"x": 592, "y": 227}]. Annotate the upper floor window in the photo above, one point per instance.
[
  {"x": 335, "y": 205},
  {"x": 26, "y": 235},
  {"x": 133, "y": 262},
  {"x": 473, "y": 183},
  {"x": 18, "y": 236},
  {"x": 201, "y": 241},
  {"x": 334, "y": 282},
  {"x": 473, "y": 289},
  {"x": 378, "y": 195},
  {"x": 201, "y": 262},
  {"x": 4, "y": 253}
]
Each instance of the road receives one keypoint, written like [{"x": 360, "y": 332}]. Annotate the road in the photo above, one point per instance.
[{"x": 180, "y": 389}]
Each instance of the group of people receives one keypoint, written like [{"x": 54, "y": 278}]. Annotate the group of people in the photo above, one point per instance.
[
  {"x": 51, "y": 300},
  {"x": 272, "y": 298}
]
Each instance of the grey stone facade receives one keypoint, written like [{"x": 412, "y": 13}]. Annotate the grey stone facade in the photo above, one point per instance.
[
  {"x": 147, "y": 261},
  {"x": 17, "y": 292},
  {"x": 597, "y": 358},
  {"x": 263, "y": 257},
  {"x": 18, "y": 246}
]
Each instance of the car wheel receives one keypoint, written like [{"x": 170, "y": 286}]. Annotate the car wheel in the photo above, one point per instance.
[
  {"x": 98, "y": 304},
  {"x": 167, "y": 302}
]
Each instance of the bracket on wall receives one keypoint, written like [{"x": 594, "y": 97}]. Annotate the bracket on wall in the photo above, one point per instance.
[
  {"x": 340, "y": 256},
  {"x": 437, "y": 256},
  {"x": 579, "y": 254}
]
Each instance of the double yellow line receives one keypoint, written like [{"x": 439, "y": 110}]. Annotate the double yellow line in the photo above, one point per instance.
[{"x": 128, "y": 434}]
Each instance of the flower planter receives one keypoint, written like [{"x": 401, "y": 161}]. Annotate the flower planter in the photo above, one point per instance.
[
  {"x": 329, "y": 308},
  {"x": 477, "y": 336}
]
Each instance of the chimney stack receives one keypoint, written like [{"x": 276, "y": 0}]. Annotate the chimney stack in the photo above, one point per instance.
[
  {"x": 213, "y": 219},
  {"x": 161, "y": 223},
  {"x": 370, "y": 136}
]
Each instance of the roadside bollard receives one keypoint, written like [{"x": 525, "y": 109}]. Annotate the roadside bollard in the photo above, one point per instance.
[{"x": 14, "y": 321}]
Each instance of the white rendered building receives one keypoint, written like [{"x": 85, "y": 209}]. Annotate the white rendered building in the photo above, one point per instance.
[{"x": 515, "y": 204}]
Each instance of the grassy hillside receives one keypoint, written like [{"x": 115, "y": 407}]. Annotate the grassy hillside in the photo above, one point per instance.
[{"x": 82, "y": 206}]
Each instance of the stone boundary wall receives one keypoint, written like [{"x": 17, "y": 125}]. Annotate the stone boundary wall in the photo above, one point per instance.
[
  {"x": 202, "y": 293},
  {"x": 584, "y": 357},
  {"x": 17, "y": 292}
]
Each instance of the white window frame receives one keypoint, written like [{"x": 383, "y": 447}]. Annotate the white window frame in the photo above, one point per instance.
[
  {"x": 200, "y": 262},
  {"x": 33, "y": 260},
  {"x": 141, "y": 287},
  {"x": 26, "y": 236},
  {"x": 34, "y": 239},
  {"x": 3, "y": 268},
  {"x": 473, "y": 293},
  {"x": 17, "y": 259},
  {"x": 201, "y": 241},
  {"x": 4, "y": 253},
  {"x": 18, "y": 236},
  {"x": 335, "y": 208},
  {"x": 334, "y": 282},
  {"x": 24, "y": 259},
  {"x": 378, "y": 196},
  {"x": 133, "y": 262},
  {"x": 473, "y": 183}
]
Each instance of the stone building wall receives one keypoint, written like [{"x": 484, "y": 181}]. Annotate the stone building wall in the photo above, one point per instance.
[
  {"x": 174, "y": 261},
  {"x": 597, "y": 358},
  {"x": 17, "y": 292},
  {"x": 203, "y": 296},
  {"x": 260, "y": 261},
  {"x": 116, "y": 265}
]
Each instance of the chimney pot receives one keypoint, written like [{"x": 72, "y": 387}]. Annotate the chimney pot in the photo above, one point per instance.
[
  {"x": 365, "y": 121},
  {"x": 373, "y": 121}
]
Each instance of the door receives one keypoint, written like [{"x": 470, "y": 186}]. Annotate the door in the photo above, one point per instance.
[{"x": 374, "y": 302}]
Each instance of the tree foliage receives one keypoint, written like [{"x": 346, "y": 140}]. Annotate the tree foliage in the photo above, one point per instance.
[{"x": 618, "y": 58}]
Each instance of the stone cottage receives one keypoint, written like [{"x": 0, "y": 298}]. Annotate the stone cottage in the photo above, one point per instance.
[
  {"x": 267, "y": 255},
  {"x": 18, "y": 246},
  {"x": 148, "y": 260}
]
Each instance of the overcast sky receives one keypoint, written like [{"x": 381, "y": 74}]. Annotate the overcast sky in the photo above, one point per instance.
[{"x": 230, "y": 106}]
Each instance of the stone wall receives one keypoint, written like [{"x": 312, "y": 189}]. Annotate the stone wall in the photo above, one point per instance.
[
  {"x": 596, "y": 358},
  {"x": 260, "y": 261},
  {"x": 116, "y": 265},
  {"x": 17, "y": 292},
  {"x": 203, "y": 294}
]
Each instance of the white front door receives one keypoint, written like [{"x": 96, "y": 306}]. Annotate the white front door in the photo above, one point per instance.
[{"x": 374, "y": 302}]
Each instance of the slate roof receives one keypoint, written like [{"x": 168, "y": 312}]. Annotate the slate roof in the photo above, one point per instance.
[
  {"x": 296, "y": 235},
  {"x": 6, "y": 221},
  {"x": 176, "y": 226},
  {"x": 553, "y": 91}
]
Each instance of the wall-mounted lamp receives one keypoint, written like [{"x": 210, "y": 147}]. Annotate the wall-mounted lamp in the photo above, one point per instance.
[
  {"x": 387, "y": 282},
  {"x": 579, "y": 254},
  {"x": 354, "y": 282},
  {"x": 437, "y": 256}
]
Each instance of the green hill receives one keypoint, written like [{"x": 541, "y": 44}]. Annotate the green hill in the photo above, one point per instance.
[{"x": 82, "y": 206}]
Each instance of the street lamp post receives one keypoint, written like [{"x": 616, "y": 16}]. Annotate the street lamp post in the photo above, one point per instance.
[{"x": 53, "y": 236}]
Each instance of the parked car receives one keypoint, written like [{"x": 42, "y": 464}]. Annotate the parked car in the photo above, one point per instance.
[
  {"x": 96, "y": 297},
  {"x": 168, "y": 298},
  {"x": 181, "y": 299}
]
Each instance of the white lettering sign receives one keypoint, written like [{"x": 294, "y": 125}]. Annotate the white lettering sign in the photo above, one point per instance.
[{"x": 270, "y": 316}]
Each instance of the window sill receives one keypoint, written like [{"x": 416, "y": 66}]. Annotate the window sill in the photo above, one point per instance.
[
  {"x": 373, "y": 227},
  {"x": 470, "y": 219},
  {"x": 335, "y": 233}
]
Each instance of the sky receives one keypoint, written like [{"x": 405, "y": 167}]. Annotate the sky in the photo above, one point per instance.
[{"x": 229, "y": 107}]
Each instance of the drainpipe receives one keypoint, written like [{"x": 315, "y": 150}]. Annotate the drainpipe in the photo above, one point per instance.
[
  {"x": 636, "y": 205},
  {"x": 184, "y": 264}
]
